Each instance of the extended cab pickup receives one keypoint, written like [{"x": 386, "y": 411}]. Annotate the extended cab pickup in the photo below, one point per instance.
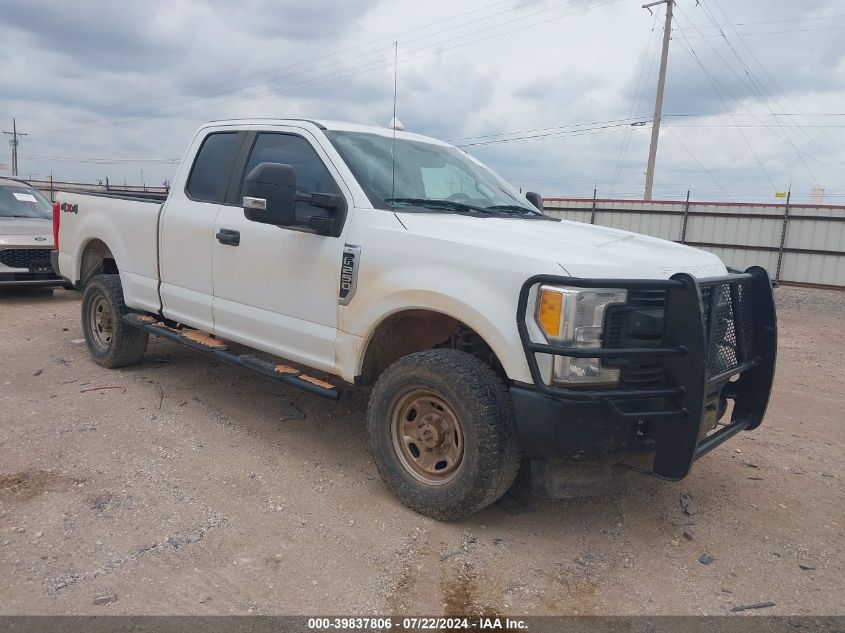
[{"x": 321, "y": 254}]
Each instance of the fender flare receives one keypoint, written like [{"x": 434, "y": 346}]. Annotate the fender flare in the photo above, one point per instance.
[{"x": 507, "y": 350}]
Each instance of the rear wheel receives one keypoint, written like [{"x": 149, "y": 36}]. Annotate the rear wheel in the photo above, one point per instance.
[
  {"x": 442, "y": 433},
  {"x": 111, "y": 342}
]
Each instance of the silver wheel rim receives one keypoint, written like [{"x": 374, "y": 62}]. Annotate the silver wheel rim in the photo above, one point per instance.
[
  {"x": 100, "y": 323},
  {"x": 427, "y": 437}
]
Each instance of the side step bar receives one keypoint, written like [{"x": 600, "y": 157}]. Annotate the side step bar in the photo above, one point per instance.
[{"x": 218, "y": 349}]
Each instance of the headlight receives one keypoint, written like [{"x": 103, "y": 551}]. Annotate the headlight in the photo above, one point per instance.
[{"x": 574, "y": 317}]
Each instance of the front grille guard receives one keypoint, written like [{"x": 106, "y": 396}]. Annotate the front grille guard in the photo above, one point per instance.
[{"x": 674, "y": 415}]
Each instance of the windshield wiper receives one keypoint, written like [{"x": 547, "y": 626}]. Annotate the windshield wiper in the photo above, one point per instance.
[
  {"x": 516, "y": 208},
  {"x": 440, "y": 205}
]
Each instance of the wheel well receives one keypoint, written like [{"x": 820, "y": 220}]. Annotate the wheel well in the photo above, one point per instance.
[
  {"x": 412, "y": 331},
  {"x": 96, "y": 259}
]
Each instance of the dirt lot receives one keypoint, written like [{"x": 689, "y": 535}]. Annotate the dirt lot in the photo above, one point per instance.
[{"x": 195, "y": 488}]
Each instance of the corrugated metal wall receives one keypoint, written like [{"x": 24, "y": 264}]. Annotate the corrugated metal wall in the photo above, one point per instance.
[{"x": 795, "y": 243}]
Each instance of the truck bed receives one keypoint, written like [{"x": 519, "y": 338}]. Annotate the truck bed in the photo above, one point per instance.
[{"x": 128, "y": 224}]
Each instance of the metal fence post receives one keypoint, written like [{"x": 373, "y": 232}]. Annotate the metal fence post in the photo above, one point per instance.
[
  {"x": 593, "y": 214},
  {"x": 686, "y": 217},
  {"x": 52, "y": 198},
  {"x": 783, "y": 234}
]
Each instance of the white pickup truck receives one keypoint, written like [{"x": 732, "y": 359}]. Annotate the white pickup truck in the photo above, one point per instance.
[{"x": 320, "y": 253}]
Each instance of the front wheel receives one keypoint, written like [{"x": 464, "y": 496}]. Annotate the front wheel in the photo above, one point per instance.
[
  {"x": 111, "y": 342},
  {"x": 442, "y": 433}
]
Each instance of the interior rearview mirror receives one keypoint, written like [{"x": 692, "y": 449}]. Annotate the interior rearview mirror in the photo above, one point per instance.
[
  {"x": 270, "y": 194},
  {"x": 535, "y": 198}
]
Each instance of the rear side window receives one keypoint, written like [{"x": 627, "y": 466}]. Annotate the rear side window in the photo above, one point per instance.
[{"x": 212, "y": 168}]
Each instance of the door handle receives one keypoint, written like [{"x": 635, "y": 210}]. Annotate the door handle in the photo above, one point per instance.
[{"x": 228, "y": 237}]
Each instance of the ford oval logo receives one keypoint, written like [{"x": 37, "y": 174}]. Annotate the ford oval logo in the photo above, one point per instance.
[{"x": 40, "y": 239}]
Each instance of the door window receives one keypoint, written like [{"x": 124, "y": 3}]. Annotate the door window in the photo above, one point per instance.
[
  {"x": 312, "y": 176},
  {"x": 212, "y": 168}
]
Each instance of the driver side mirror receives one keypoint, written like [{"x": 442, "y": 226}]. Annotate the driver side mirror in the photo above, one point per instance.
[
  {"x": 535, "y": 198},
  {"x": 270, "y": 194}
]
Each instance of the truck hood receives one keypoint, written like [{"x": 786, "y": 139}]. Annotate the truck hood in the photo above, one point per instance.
[
  {"x": 26, "y": 231},
  {"x": 582, "y": 250}
]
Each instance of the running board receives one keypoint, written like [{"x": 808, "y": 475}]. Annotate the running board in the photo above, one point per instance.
[{"x": 218, "y": 349}]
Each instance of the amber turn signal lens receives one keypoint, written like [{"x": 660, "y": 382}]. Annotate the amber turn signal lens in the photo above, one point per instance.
[{"x": 549, "y": 312}]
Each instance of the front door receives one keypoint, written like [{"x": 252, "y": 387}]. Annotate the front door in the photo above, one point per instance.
[{"x": 277, "y": 289}]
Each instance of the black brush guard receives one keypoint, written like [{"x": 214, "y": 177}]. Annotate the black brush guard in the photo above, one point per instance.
[{"x": 693, "y": 357}]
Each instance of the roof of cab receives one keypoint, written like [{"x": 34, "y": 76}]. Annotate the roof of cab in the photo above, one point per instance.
[{"x": 325, "y": 124}]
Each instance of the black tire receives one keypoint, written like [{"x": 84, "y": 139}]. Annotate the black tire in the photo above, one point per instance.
[
  {"x": 474, "y": 395},
  {"x": 112, "y": 343}
]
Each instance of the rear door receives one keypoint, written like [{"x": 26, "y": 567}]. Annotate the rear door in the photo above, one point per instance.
[
  {"x": 187, "y": 230},
  {"x": 277, "y": 290}
]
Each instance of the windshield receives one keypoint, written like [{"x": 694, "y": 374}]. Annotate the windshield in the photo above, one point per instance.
[
  {"x": 424, "y": 172},
  {"x": 22, "y": 201}
]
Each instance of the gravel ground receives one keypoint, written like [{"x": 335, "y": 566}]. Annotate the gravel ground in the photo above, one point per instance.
[{"x": 182, "y": 486}]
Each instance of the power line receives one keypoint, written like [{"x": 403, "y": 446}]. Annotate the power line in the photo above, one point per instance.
[
  {"x": 715, "y": 83},
  {"x": 759, "y": 125},
  {"x": 760, "y": 89},
  {"x": 827, "y": 28},
  {"x": 736, "y": 74},
  {"x": 700, "y": 164},
  {"x": 800, "y": 18},
  {"x": 801, "y": 114},
  {"x": 774, "y": 81},
  {"x": 551, "y": 135},
  {"x": 531, "y": 131},
  {"x": 634, "y": 122}
]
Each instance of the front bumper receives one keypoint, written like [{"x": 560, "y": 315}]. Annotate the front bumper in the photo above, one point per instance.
[
  {"x": 552, "y": 428},
  {"x": 26, "y": 266},
  {"x": 719, "y": 343}
]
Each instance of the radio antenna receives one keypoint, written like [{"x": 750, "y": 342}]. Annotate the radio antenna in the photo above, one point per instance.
[{"x": 394, "y": 122}]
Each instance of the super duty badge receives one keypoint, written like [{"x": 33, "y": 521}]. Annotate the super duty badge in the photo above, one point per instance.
[{"x": 349, "y": 273}]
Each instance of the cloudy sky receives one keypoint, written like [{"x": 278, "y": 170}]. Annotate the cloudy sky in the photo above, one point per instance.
[{"x": 544, "y": 91}]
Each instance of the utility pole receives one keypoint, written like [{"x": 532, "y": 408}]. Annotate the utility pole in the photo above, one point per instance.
[
  {"x": 658, "y": 101},
  {"x": 14, "y": 143}
]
